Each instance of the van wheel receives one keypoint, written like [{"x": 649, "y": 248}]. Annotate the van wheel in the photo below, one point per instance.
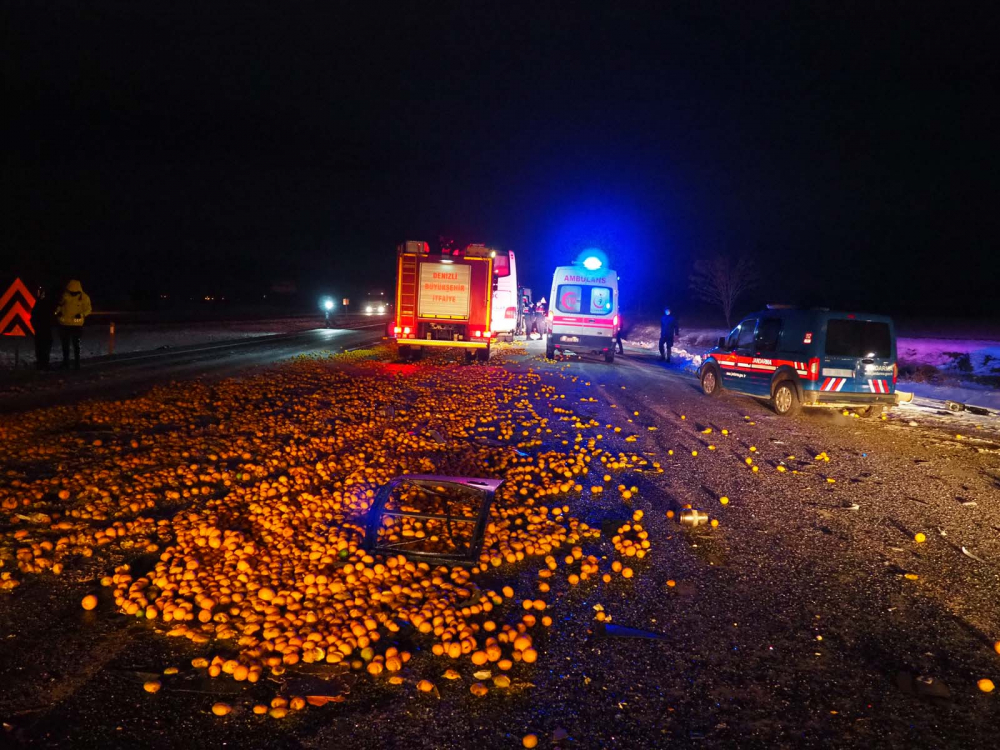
[
  {"x": 875, "y": 410},
  {"x": 785, "y": 400},
  {"x": 550, "y": 348},
  {"x": 609, "y": 355},
  {"x": 405, "y": 352},
  {"x": 710, "y": 384},
  {"x": 483, "y": 355}
]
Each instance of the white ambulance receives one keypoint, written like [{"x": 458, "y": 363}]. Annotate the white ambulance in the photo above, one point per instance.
[{"x": 583, "y": 309}]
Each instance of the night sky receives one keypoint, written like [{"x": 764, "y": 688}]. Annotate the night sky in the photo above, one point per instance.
[{"x": 214, "y": 147}]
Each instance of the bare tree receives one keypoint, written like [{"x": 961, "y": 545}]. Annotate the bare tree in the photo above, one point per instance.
[{"x": 721, "y": 281}]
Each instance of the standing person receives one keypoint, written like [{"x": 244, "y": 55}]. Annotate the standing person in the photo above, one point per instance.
[
  {"x": 618, "y": 336},
  {"x": 73, "y": 308},
  {"x": 668, "y": 330},
  {"x": 43, "y": 318},
  {"x": 541, "y": 316}
]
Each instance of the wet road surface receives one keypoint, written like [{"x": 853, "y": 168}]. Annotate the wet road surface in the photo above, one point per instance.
[
  {"x": 129, "y": 374},
  {"x": 809, "y": 617}
]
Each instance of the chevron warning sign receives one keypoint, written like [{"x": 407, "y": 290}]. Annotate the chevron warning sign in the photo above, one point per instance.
[{"x": 15, "y": 310}]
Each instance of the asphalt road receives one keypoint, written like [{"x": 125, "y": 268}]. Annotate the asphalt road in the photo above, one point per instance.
[
  {"x": 792, "y": 624},
  {"x": 128, "y": 374}
]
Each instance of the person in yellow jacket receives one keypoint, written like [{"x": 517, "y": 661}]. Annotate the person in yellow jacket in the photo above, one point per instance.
[{"x": 73, "y": 307}]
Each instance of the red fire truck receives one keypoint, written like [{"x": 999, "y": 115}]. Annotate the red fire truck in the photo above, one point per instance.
[{"x": 443, "y": 299}]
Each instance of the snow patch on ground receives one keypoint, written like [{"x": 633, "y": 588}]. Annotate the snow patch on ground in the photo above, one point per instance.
[
  {"x": 963, "y": 393},
  {"x": 688, "y": 347},
  {"x": 962, "y": 357}
]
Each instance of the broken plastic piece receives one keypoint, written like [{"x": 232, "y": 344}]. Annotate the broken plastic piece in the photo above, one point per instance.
[
  {"x": 693, "y": 517},
  {"x": 969, "y": 554},
  {"x": 431, "y": 517},
  {"x": 956, "y": 406}
]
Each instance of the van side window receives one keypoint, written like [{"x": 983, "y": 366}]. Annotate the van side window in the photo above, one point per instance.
[
  {"x": 745, "y": 340},
  {"x": 733, "y": 337},
  {"x": 768, "y": 331}
]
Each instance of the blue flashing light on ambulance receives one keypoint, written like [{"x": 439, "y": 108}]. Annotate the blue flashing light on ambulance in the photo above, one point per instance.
[
  {"x": 812, "y": 358},
  {"x": 583, "y": 308}
]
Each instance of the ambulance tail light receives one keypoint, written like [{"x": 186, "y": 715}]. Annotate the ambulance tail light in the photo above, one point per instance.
[
  {"x": 550, "y": 315},
  {"x": 614, "y": 321},
  {"x": 895, "y": 372},
  {"x": 813, "y": 369}
]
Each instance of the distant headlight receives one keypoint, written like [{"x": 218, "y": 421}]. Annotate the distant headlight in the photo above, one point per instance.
[
  {"x": 381, "y": 308},
  {"x": 368, "y": 309}
]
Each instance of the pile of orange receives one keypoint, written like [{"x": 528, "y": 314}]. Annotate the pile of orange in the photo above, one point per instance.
[{"x": 251, "y": 496}]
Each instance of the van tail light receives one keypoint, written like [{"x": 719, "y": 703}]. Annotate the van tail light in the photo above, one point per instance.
[
  {"x": 510, "y": 313},
  {"x": 614, "y": 321},
  {"x": 813, "y": 369},
  {"x": 397, "y": 329},
  {"x": 487, "y": 334},
  {"x": 895, "y": 372},
  {"x": 549, "y": 316},
  {"x": 478, "y": 334},
  {"x": 406, "y": 330}
]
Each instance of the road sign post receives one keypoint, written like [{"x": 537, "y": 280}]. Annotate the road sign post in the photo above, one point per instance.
[
  {"x": 15, "y": 310},
  {"x": 15, "y": 315}
]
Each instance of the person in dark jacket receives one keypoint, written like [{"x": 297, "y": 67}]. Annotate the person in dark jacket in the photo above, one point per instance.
[
  {"x": 541, "y": 316},
  {"x": 619, "y": 335},
  {"x": 43, "y": 320},
  {"x": 668, "y": 330}
]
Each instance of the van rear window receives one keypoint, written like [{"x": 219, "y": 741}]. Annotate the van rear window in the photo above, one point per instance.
[
  {"x": 858, "y": 338},
  {"x": 568, "y": 298},
  {"x": 590, "y": 300},
  {"x": 600, "y": 300}
]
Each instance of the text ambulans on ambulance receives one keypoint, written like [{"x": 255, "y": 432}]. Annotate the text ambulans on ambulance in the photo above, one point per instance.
[{"x": 583, "y": 311}]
